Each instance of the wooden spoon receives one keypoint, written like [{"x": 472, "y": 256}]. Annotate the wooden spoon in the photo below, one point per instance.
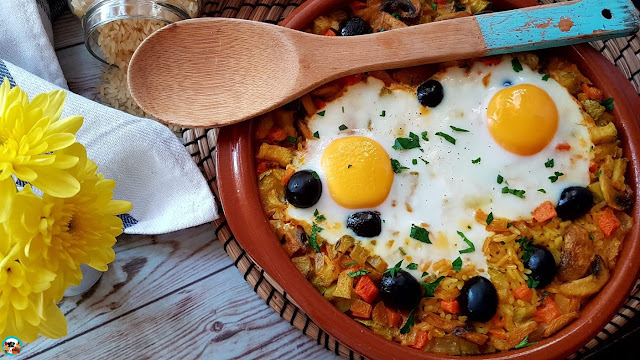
[{"x": 214, "y": 71}]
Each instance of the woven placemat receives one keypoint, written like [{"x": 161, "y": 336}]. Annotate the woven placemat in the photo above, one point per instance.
[{"x": 201, "y": 144}]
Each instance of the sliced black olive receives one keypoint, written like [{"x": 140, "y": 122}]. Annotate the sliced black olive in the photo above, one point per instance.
[
  {"x": 400, "y": 290},
  {"x": 303, "y": 189},
  {"x": 404, "y": 6},
  {"x": 478, "y": 299},
  {"x": 365, "y": 223},
  {"x": 354, "y": 26},
  {"x": 574, "y": 202},
  {"x": 542, "y": 266},
  {"x": 430, "y": 93}
]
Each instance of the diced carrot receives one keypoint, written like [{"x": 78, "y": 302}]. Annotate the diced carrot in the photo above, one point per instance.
[
  {"x": 287, "y": 175},
  {"x": 276, "y": 134},
  {"x": 499, "y": 333},
  {"x": 593, "y": 166},
  {"x": 393, "y": 317},
  {"x": 366, "y": 289},
  {"x": 422, "y": 338},
  {"x": 357, "y": 5},
  {"x": 523, "y": 293},
  {"x": 262, "y": 167},
  {"x": 544, "y": 212},
  {"x": 352, "y": 79},
  {"x": 563, "y": 147},
  {"x": 547, "y": 311},
  {"x": 442, "y": 2},
  {"x": 498, "y": 320},
  {"x": 491, "y": 60},
  {"x": 450, "y": 306},
  {"x": 608, "y": 222},
  {"x": 330, "y": 32},
  {"x": 319, "y": 104},
  {"x": 593, "y": 92},
  {"x": 361, "y": 309}
]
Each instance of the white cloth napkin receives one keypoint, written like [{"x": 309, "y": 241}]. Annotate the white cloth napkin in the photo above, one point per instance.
[{"x": 151, "y": 167}]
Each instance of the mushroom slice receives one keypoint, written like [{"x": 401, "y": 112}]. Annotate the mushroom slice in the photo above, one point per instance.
[
  {"x": 577, "y": 254},
  {"x": 589, "y": 285},
  {"x": 618, "y": 200}
]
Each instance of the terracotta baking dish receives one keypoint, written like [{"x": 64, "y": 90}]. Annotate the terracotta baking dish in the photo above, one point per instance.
[{"x": 237, "y": 182}]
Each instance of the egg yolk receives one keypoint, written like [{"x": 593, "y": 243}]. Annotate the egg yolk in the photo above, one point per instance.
[
  {"x": 523, "y": 119},
  {"x": 358, "y": 172}
]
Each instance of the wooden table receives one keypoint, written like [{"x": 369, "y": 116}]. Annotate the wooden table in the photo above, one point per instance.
[
  {"x": 173, "y": 296},
  {"x": 178, "y": 295}
]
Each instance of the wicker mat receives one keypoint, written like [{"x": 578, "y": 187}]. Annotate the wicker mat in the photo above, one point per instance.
[{"x": 201, "y": 144}]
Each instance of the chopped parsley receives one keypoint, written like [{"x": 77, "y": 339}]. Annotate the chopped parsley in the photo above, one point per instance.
[
  {"x": 383, "y": 113},
  {"x": 509, "y": 225},
  {"x": 545, "y": 77},
  {"x": 471, "y": 248},
  {"x": 458, "y": 129},
  {"x": 500, "y": 179},
  {"x": 349, "y": 264},
  {"x": 555, "y": 176},
  {"x": 476, "y": 161},
  {"x": 425, "y": 161},
  {"x": 434, "y": 6},
  {"x": 349, "y": 166},
  {"x": 549, "y": 163},
  {"x": 431, "y": 287},
  {"x": 524, "y": 343},
  {"x": 532, "y": 283},
  {"x": 406, "y": 328},
  {"x": 515, "y": 63},
  {"x": 393, "y": 270},
  {"x": 516, "y": 192},
  {"x": 315, "y": 175},
  {"x": 315, "y": 229},
  {"x": 490, "y": 218},
  {"x": 542, "y": 191},
  {"x": 316, "y": 135},
  {"x": 447, "y": 137},
  {"x": 412, "y": 266},
  {"x": 414, "y": 161},
  {"x": 591, "y": 236},
  {"x": 343, "y": 109},
  {"x": 424, "y": 136},
  {"x": 396, "y": 15},
  {"x": 608, "y": 104},
  {"x": 401, "y": 249},
  {"x": 424, "y": 274},
  {"x": 412, "y": 142},
  {"x": 319, "y": 217},
  {"x": 527, "y": 248},
  {"x": 457, "y": 264},
  {"x": 292, "y": 139},
  {"x": 599, "y": 173},
  {"x": 420, "y": 234},
  {"x": 397, "y": 167},
  {"x": 358, "y": 273},
  {"x": 342, "y": 127},
  {"x": 321, "y": 113}
]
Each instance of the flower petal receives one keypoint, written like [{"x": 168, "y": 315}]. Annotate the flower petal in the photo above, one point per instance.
[
  {"x": 65, "y": 161},
  {"x": 24, "y": 173},
  {"x": 55, "y": 325},
  {"x": 69, "y": 124},
  {"x": 117, "y": 207},
  {"x": 55, "y": 182},
  {"x": 19, "y": 301},
  {"x": 59, "y": 141},
  {"x": 7, "y": 193}
]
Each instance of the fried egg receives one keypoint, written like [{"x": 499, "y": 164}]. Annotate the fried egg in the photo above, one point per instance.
[{"x": 501, "y": 142}]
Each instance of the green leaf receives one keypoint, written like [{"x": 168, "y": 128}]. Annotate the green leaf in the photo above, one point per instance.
[
  {"x": 471, "y": 248},
  {"x": 424, "y": 136},
  {"x": 476, "y": 161},
  {"x": 598, "y": 174},
  {"x": 531, "y": 283},
  {"x": 402, "y": 143},
  {"x": 457, "y": 264},
  {"x": 292, "y": 139},
  {"x": 358, "y": 273},
  {"x": 431, "y": 287},
  {"x": 458, "y": 129},
  {"x": 349, "y": 264},
  {"x": 316, "y": 135},
  {"x": 509, "y": 225},
  {"x": 545, "y": 77},
  {"x": 516, "y": 192},
  {"x": 315, "y": 175},
  {"x": 515, "y": 63},
  {"x": 434, "y": 6},
  {"x": 343, "y": 109},
  {"x": 414, "y": 161},
  {"x": 527, "y": 248},
  {"x": 490, "y": 218},
  {"x": 420, "y": 234},
  {"x": 424, "y": 274},
  {"x": 608, "y": 104},
  {"x": 412, "y": 266},
  {"x": 447, "y": 137},
  {"x": 425, "y": 161},
  {"x": 500, "y": 179},
  {"x": 342, "y": 127},
  {"x": 406, "y": 328},
  {"x": 397, "y": 167},
  {"x": 393, "y": 270},
  {"x": 555, "y": 176},
  {"x": 524, "y": 343},
  {"x": 549, "y": 163},
  {"x": 542, "y": 191},
  {"x": 321, "y": 113},
  {"x": 315, "y": 229},
  {"x": 383, "y": 113}
]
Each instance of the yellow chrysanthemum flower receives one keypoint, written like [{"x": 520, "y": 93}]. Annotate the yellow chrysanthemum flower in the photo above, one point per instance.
[
  {"x": 31, "y": 137},
  {"x": 26, "y": 308},
  {"x": 60, "y": 234}
]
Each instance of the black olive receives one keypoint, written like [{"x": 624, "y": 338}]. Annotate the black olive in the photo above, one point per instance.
[
  {"x": 401, "y": 291},
  {"x": 542, "y": 266},
  {"x": 354, "y": 26},
  {"x": 430, "y": 93},
  {"x": 574, "y": 202},
  {"x": 303, "y": 189},
  {"x": 478, "y": 299},
  {"x": 365, "y": 223}
]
